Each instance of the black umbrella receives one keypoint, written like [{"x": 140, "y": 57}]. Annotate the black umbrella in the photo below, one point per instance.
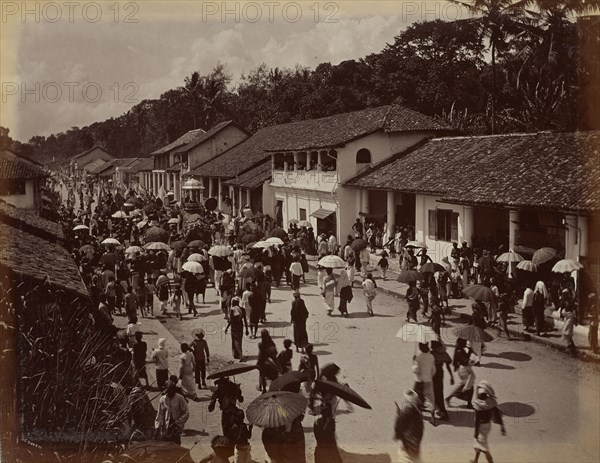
[
  {"x": 358, "y": 245},
  {"x": 431, "y": 267},
  {"x": 178, "y": 244},
  {"x": 279, "y": 233},
  {"x": 249, "y": 238},
  {"x": 197, "y": 244},
  {"x": 343, "y": 391},
  {"x": 155, "y": 233},
  {"x": 290, "y": 381},
  {"x": 232, "y": 369}
]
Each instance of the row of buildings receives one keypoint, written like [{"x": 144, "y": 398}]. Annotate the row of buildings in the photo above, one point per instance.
[{"x": 391, "y": 166}]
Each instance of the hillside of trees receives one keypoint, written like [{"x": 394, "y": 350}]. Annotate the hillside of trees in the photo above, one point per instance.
[{"x": 508, "y": 69}]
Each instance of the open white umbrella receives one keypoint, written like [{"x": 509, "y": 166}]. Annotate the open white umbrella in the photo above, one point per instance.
[
  {"x": 80, "y": 227},
  {"x": 132, "y": 249},
  {"x": 174, "y": 220},
  {"x": 274, "y": 240},
  {"x": 413, "y": 332},
  {"x": 543, "y": 255},
  {"x": 510, "y": 256},
  {"x": 196, "y": 257},
  {"x": 415, "y": 244},
  {"x": 527, "y": 265},
  {"x": 193, "y": 267},
  {"x": 262, "y": 244},
  {"x": 331, "y": 262},
  {"x": 120, "y": 215},
  {"x": 156, "y": 246},
  {"x": 220, "y": 251},
  {"x": 112, "y": 241},
  {"x": 566, "y": 266}
]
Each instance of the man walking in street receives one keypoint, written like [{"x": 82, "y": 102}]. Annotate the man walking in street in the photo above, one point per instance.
[
  {"x": 172, "y": 415},
  {"x": 424, "y": 370}
]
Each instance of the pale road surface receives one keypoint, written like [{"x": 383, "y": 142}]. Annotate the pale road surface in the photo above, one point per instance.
[{"x": 551, "y": 401}]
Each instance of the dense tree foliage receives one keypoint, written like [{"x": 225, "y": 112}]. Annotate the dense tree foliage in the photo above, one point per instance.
[{"x": 513, "y": 66}]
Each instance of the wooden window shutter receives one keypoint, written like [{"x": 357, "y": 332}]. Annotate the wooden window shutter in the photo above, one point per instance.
[
  {"x": 454, "y": 227},
  {"x": 432, "y": 224}
]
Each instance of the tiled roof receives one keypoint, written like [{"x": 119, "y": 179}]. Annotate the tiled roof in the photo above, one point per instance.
[
  {"x": 202, "y": 138},
  {"x": 30, "y": 222},
  {"x": 101, "y": 168},
  {"x": 14, "y": 167},
  {"x": 183, "y": 140},
  {"x": 77, "y": 156},
  {"x": 37, "y": 258},
  {"x": 325, "y": 132},
  {"x": 145, "y": 164},
  {"x": 555, "y": 171},
  {"x": 252, "y": 178},
  {"x": 337, "y": 130},
  {"x": 174, "y": 168},
  {"x": 107, "y": 169}
]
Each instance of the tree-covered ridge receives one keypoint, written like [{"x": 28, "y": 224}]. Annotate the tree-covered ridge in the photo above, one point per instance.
[{"x": 541, "y": 78}]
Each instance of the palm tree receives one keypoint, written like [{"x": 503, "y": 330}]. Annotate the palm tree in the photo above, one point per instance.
[
  {"x": 192, "y": 88},
  {"x": 497, "y": 20}
]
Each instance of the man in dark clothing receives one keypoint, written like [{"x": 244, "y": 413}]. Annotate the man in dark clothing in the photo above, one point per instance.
[{"x": 199, "y": 348}]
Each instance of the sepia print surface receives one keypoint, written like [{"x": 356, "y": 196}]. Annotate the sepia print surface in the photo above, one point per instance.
[{"x": 299, "y": 231}]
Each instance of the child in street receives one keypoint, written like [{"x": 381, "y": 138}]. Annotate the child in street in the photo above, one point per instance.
[
  {"x": 269, "y": 281},
  {"x": 176, "y": 301},
  {"x": 284, "y": 359},
  {"x": 383, "y": 264},
  {"x": 369, "y": 286},
  {"x": 131, "y": 330}
]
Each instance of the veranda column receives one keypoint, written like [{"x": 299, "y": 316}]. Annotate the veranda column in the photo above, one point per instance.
[
  {"x": 468, "y": 229},
  {"x": 513, "y": 228},
  {"x": 391, "y": 214},
  {"x": 296, "y": 158},
  {"x": 240, "y": 199},
  {"x": 571, "y": 237},
  {"x": 582, "y": 222},
  {"x": 211, "y": 187},
  {"x": 220, "y": 192},
  {"x": 248, "y": 197},
  {"x": 364, "y": 194}
]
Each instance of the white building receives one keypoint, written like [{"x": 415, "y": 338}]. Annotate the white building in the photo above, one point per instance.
[
  {"x": 521, "y": 191},
  {"x": 21, "y": 180},
  {"x": 312, "y": 159}
]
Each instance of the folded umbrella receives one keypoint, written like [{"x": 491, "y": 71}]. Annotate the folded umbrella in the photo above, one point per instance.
[
  {"x": 479, "y": 293},
  {"x": 231, "y": 370},
  {"x": 343, "y": 391},
  {"x": 290, "y": 381},
  {"x": 274, "y": 409},
  {"x": 409, "y": 276},
  {"x": 473, "y": 333},
  {"x": 566, "y": 266},
  {"x": 331, "y": 262},
  {"x": 543, "y": 255}
]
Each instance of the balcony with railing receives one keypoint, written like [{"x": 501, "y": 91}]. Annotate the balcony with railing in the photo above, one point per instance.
[{"x": 316, "y": 170}]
